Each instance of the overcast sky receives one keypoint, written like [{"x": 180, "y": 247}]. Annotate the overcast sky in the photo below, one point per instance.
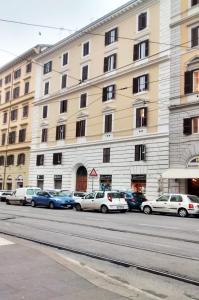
[{"x": 71, "y": 14}]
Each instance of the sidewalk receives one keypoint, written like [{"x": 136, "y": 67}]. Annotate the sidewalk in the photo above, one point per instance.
[{"x": 26, "y": 273}]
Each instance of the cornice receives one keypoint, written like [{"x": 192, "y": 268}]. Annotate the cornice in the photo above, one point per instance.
[
  {"x": 102, "y": 79},
  {"x": 104, "y": 142},
  {"x": 185, "y": 105},
  {"x": 185, "y": 19}
]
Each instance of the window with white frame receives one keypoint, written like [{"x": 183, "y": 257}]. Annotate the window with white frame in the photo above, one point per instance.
[
  {"x": 84, "y": 73},
  {"x": 45, "y": 112},
  {"x": 85, "y": 49},
  {"x": 83, "y": 100},
  {"x": 64, "y": 81},
  {"x": 110, "y": 63},
  {"x": 111, "y": 36},
  {"x": 140, "y": 83},
  {"x": 195, "y": 125},
  {"x": 60, "y": 132},
  {"x": 63, "y": 106},
  {"x": 141, "y": 50},
  {"x": 65, "y": 59},
  {"x": 195, "y": 36},
  {"x": 141, "y": 117},
  {"x": 191, "y": 82},
  {"x": 46, "y": 88},
  {"x": 142, "y": 21},
  {"x": 47, "y": 67},
  {"x": 108, "y": 93}
]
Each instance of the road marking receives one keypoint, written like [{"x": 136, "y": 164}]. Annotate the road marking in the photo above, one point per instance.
[
  {"x": 4, "y": 242},
  {"x": 158, "y": 226}
]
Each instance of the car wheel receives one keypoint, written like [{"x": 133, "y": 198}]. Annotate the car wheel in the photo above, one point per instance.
[
  {"x": 33, "y": 204},
  {"x": 51, "y": 205},
  {"x": 78, "y": 207},
  {"x": 104, "y": 209},
  {"x": 8, "y": 202},
  {"x": 182, "y": 212},
  {"x": 147, "y": 210}
]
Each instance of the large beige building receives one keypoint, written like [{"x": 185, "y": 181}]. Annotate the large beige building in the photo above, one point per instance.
[
  {"x": 16, "y": 97},
  {"x": 101, "y": 101}
]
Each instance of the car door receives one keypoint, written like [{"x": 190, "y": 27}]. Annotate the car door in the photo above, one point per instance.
[
  {"x": 98, "y": 201},
  {"x": 161, "y": 204},
  {"x": 87, "y": 202},
  {"x": 174, "y": 203}
]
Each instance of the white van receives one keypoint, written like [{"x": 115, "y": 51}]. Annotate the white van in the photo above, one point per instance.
[{"x": 22, "y": 196}]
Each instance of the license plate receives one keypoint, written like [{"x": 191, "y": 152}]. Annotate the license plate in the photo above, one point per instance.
[{"x": 120, "y": 207}]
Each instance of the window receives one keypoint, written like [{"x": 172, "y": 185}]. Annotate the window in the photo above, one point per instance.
[
  {"x": 40, "y": 160},
  {"x": 194, "y": 2},
  {"x": 141, "y": 50},
  {"x": 46, "y": 88},
  {"x": 28, "y": 67},
  {"x": 1, "y": 82},
  {"x": 83, "y": 100},
  {"x": 25, "y": 111},
  {"x": 7, "y": 78},
  {"x": 140, "y": 84},
  {"x": 2, "y": 160},
  {"x": 57, "y": 158},
  {"x": 85, "y": 49},
  {"x": 195, "y": 36},
  {"x": 63, "y": 106},
  {"x": 26, "y": 88},
  {"x": 176, "y": 198},
  {"x": 3, "y": 140},
  {"x": 110, "y": 63},
  {"x": 195, "y": 125},
  {"x": 60, "y": 132},
  {"x": 5, "y": 116},
  {"x": 47, "y": 67},
  {"x": 45, "y": 112},
  {"x": 141, "y": 117},
  {"x": 163, "y": 198},
  {"x": 21, "y": 159},
  {"x": 140, "y": 152},
  {"x": 108, "y": 123},
  {"x": 111, "y": 36},
  {"x": 12, "y": 137},
  {"x": 64, "y": 81},
  {"x": 80, "y": 128},
  {"x": 191, "y": 125},
  {"x": 191, "y": 82},
  {"x": 65, "y": 59},
  {"x": 16, "y": 92},
  {"x": 44, "y": 135},
  {"x": 7, "y": 98},
  {"x": 17, "y": 73},
  {"x": 108, "y": 93},
  {"x": 14, "y": 113},
  {"x": 84, "y": 73},
  {"x": 22, "y": 135},
  {"x": 142, "y": 21},
  {"x": 106, "y": 155},
  {"x": 10, "y": 160}
]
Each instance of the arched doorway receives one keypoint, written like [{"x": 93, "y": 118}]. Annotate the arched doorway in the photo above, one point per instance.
[{"x": 81, "y": 179}]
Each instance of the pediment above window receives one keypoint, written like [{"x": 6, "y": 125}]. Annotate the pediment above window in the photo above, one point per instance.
[
  {"x": 193, "y": 64},
  {"x": 44, "y": 124},
  {"x": 62, "y": 120},
  {"x": 140, "y": 102},
  {"x": 108, "y": 108},
  {"x": 82, "y": 115}
]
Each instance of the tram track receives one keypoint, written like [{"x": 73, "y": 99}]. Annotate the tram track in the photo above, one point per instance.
[{"x": 105, "y": 258}]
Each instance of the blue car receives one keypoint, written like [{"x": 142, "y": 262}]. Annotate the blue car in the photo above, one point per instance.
[{"x": 52, "y": 200}]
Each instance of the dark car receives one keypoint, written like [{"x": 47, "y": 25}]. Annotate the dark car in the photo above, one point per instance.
[
  {"x": 52, "y": 199},
  {"x": 134, "y": 199}
]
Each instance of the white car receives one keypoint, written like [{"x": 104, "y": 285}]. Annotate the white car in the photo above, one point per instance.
[
  {"x": 180, "y": 204},
  {"x": 75, "y": 195},
  {"x": 22, "y": 196},
  {"x": 102, "y": 201}
]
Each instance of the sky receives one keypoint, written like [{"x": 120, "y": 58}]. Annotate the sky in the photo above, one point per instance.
[{"x": 71, "y": 14}]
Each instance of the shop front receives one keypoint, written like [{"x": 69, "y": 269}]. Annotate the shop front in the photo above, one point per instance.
[
  {"x": 138, "y": 183},
  {"x": 105, "y": 182}
]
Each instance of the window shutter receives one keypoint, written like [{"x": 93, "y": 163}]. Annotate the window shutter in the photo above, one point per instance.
[
  {"x": 135, "y": 85},
  {"x": 188, "y": 84},
  {"x": 136, "y": 52},
  {"x": 138, "y": 118},
  {"x": 113, "y": 93},
  {"x": 64, "y": 131},
  {"x": 77, "y": 129},
  {"x": 187, "y": 126},
  {"x": 147, "y": 48},
  {"x": 105, "y": 64},
  {"x": 116, "y": 34},
  {"x": 115, "y": 61},
  {"x": 106, "y": 38},
  {"x": 54, "y": 158},
  {"x": 143, "y": 152},
  {"x": 195, "y": 37},
  {"x": 137, "y": 152},
  {"x": 145, "y": 116},
  {"x": 57, "y": 133},
  {"x": 146, "y": 82},
  {"x": 104, "y": 94}
]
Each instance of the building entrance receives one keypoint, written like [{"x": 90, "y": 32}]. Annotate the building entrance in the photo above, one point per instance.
[
  {"x": 193, "y": 186},
  {"x": 81, "y": 179}
]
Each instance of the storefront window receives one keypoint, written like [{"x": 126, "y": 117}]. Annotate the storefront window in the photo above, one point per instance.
[
  {"x": 138, "y": 183},
  {"x": 40, "y": 181},
  {"x": 105, "y": 182},
  {"x": 58, "y": 182}
]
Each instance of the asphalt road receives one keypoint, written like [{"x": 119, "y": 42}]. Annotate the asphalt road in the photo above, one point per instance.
[{"x": 165, "y": 243}]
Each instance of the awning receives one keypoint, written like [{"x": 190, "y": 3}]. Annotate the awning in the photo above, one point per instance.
[{"x": 181, "y": 173}]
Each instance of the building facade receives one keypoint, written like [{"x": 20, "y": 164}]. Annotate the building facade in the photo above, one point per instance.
[
  {"x": 101, "y": 101},
  {"x": 183, "y": 173},
  {"x": 16, "y": 97}
]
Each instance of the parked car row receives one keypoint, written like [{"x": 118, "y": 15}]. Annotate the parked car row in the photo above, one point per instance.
[{"x": 106, "y": 201}]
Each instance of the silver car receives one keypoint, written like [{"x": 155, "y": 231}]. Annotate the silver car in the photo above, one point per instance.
[{"x": 180, "y": 204}]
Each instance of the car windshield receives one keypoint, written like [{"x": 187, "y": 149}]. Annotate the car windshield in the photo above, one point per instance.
[
  {"x": 193, "y": 198},
  {"x": 58, "y": 194},
  {"x": 32, "y": 191},
  {"x": 114, "y": 195}
]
